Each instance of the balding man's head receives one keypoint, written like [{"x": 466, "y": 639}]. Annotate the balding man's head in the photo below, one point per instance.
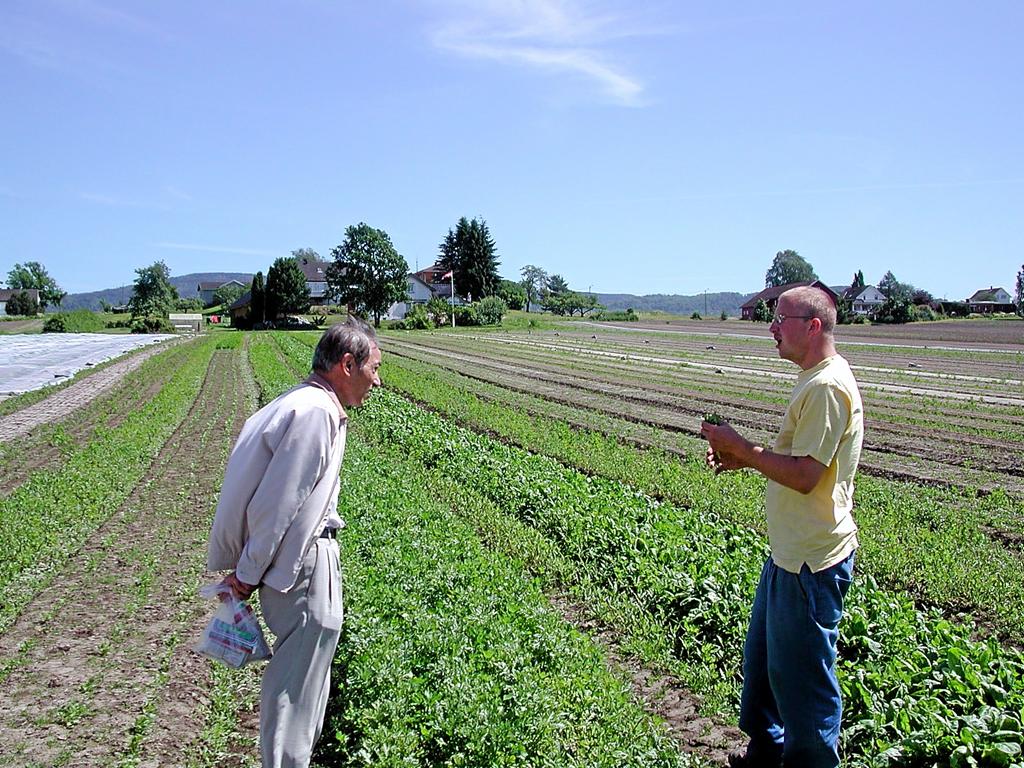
[{"x": 812, "y": 302}]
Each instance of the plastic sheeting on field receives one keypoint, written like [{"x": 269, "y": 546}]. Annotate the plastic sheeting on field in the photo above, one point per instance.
[{"x": 31, "y": 361}]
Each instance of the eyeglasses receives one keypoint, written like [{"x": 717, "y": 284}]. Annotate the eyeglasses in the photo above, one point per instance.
[{"x": 780, "y": 318}]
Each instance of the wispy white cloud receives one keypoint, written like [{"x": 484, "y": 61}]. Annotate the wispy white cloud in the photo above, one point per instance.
[
  {"x": 565, "y": 36},
  {"x": 177, "y": 194},
  {"x": 103, "y": 14},
  {"x": 30, "y": 44},
  {"x": 39, "y": 36},
  {"x": 217, "y": 249},
  {"x": 119, "y": 202}
]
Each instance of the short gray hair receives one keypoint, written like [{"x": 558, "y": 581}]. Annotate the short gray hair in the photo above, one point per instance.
[
  {"x": 814, "y": 302},
  {"x": 353, "y": 336}
]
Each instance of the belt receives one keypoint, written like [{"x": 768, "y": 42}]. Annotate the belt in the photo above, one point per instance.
[{"x": 329, "y": 533}]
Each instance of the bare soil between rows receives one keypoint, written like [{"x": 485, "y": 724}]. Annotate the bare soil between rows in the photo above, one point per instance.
[{"x": 92, "y": 655}]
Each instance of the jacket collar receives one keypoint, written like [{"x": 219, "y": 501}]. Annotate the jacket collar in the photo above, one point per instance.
[{"x": 316, "y": 380}]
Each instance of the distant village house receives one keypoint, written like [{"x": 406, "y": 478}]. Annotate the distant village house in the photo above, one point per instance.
[
  {"x": 315, "y": 272},
  {"x": 423, "y": 286},
  {"x": 989, "y": 300},
  {"x": 770, "y": 296},
  {"x": 864, "y": 301}
]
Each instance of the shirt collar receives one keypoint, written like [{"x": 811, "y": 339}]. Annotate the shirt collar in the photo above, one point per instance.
[{"x": 316, "y": 380}]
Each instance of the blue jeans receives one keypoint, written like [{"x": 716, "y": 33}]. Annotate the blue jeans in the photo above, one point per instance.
[{"x": 791, "y": 706}]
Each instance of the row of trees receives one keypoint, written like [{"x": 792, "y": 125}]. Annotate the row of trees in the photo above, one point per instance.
[
  {"x": 552, "y": 293},
  {"x": 903, "y": 302},
  {"x": 368, "y": 273}
]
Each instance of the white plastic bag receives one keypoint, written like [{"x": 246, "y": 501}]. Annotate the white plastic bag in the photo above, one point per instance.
[{"x": 233, "y": 635}]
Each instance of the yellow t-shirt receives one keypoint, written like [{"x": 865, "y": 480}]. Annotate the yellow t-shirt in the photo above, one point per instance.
[{"x": 824, "y": 420}]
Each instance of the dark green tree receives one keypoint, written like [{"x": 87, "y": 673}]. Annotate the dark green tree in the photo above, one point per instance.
[
  {"x": 534, "y": 282},
  {"x": 762, "y": 314},
  {"x": 1018, "y": 299},
  {"x": 556, "y": 285},
  {"x": 919, "y": 297},
  {"x": 286, "y": 291},
  {"x": 258, "y": 299},
  {"x": 153, "y": 295},
  {"x": 892, "y": 288},
  {"x": 32, "y": 274},
  {"x": 844, "y": 304},
  {"x": 844, "y": 310},
  {"x": 469, "y": 251},
  {"x": 22, "y": 303},
  {"x": 788, "y": 267},
  {"x": 512, "y": 293},
  {"x": 367, "y": 272},
  {"x": 895, "y": 309}
]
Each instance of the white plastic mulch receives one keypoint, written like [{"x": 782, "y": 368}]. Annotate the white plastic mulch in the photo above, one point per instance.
[{"x": 31, "y": 361}]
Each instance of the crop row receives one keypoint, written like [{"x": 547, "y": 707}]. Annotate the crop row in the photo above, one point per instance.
[
  {"x": 620, "y": 359},
  {"x": 930, "y": 541},
  {"x": 917, "y": 686},
  {"x": 906, "y": 362},
  {"x": 448, "y": 655},
  {"x": 55, "y": 509},
  {"x": 716, "y": 381},
  {"x": 900, "y": 450}
]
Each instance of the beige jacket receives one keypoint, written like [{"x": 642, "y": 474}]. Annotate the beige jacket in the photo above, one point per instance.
[{"x": 281, "y": 486}]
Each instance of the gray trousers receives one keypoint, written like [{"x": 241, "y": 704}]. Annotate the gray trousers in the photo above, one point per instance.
[{"x": 296, "y": 681}]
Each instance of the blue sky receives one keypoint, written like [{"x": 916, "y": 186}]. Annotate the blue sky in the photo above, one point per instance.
[{"x": 635, "y": 147}]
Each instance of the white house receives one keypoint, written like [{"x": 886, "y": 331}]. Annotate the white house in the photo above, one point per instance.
[
  {"x": 866, "y": 300},
  {"x": 989, "y": 300},
  {"x": 419, "y": 293},
  {"x": 315, "y": 272}
]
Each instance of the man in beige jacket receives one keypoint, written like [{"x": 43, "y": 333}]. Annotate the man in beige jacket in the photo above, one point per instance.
[{"x": 275, "y": 529}]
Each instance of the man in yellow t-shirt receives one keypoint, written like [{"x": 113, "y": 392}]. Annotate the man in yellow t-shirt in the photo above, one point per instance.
[{"x": 791, "y": 706}]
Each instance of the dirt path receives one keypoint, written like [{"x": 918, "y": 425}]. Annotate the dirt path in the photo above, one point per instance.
[
  {"x": 60, "y": 404},
  {"x": 659, "y": 694},
  {"x": 97, "y": 670}
]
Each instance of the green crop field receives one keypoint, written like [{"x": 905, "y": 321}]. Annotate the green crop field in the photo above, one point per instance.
[{"x": 539, "y": 570}]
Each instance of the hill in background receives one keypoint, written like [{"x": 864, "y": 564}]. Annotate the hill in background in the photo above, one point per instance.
[
  {"x": 675, "y": 304},
  {"x": 187, "y": 285},
  {"x": 709, "y": 305}
]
